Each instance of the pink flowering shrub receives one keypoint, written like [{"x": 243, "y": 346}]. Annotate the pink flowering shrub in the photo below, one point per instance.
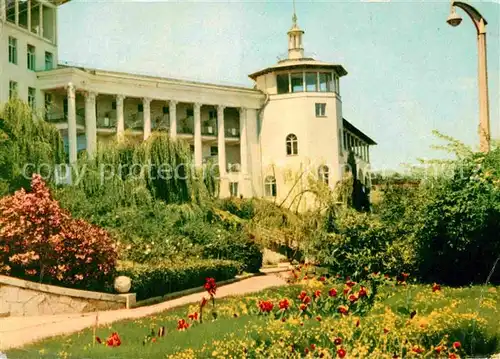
[{"x": 40, "y": 241}]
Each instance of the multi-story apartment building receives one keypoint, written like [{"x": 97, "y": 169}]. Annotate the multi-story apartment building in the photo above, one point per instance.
[{"x": 264, "y": 138}]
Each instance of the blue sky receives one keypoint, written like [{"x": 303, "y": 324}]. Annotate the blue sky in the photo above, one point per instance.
[{"x": 409, "y": 72}]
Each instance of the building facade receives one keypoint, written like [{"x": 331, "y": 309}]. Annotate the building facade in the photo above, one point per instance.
[{"x": 269, "y": 140}]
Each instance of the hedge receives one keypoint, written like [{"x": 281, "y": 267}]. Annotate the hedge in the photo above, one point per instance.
[{"x": 153, "y": 280}]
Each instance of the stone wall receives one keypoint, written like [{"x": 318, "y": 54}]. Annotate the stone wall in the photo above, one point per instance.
[{"x": 23, "y": 298}]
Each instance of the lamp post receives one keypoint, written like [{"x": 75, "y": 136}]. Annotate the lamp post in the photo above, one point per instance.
[{"x": 484, "y": 113}]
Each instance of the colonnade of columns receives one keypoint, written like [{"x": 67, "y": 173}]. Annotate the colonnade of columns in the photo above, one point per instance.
[
  {"x": 91, "y": 129},
  {"x": 359, "y": 147}
]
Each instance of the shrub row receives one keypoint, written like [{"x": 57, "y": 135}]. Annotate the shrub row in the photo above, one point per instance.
[{"x": 153, "y": 280}]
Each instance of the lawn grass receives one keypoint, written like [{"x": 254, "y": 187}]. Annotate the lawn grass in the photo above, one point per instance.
[{"x": 463, "y": 313}]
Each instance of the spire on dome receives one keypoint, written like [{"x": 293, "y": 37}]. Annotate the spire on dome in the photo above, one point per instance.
[{"x": 295, "y": 48}]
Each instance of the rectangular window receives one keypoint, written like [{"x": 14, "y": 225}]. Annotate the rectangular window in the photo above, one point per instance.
[
  {"x": 11, "y": 11},
  {"x": 140, "y": 107},
  {"x": 113, "y": 105},
  {"x": 311, "y": 79},
  {"x": 12, "y": 50},
  {"x": 23, "y": 13},
  {"x": 12, "y": 89},
  {"x": 31, "y": 97},
  {"x": 189, "y": 112},
  {"x": 282, "y": 83},
  {"x": 297, "y": 82},
  {"x": 31, "y": 57},
  {"x": 233, "y": 189},
  {"x": 320, "y": 109},
  {"x": 325, "y": 82},
  {"x": 165, "y": 110},
  {"x": 212, "y": 115},
  {"x": 214, "y": 151},
  {"x": 49, "y": 61}
]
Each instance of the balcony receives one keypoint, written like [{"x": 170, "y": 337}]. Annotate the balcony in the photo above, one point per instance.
[
  {"x": 233, "y": 167},
  {"x": 209, "y": 130},
  {"x": 160, "y": 124},
  {"x": 106, "y": 123},
  {"x": 134, "y": 122},
  {"x": 232, "y": 132},
  {"x": 61, "y": 118},
  {"x": 186, "y": 126}
]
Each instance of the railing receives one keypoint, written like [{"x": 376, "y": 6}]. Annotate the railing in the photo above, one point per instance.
[
  {"x": 233, "y": 167},
  {"x": 133, "y": 122},
  {"x": 63, "y": 118},
  {"x": 232, "y": 132},
  {"x": 186, "y": 126},
  {"x": 160, "y": 124},
  {"x": 209, "y": 130},
  {"x": 105, "y": 122}
]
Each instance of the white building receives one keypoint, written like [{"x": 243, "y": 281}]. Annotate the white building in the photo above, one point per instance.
[{"x": 267, "y": 140}]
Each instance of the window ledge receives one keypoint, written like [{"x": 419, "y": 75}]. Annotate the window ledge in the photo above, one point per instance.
[
  {"x": 294, "y": 155},
  {"x": 321, "y": 116}
]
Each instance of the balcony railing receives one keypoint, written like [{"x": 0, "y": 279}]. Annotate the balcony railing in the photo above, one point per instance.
[
  {"x": 106, "y": 122},
  {"x": 186, "y": 126},
  {"x": 160, "y": 124},
  {"x": 63, "y": 118},
  {"x": 134, "y": 122},
  {"x": 209, "y": 130},
  {"x": 232, "y": 132},
  {"x": 233, "y": 167}
]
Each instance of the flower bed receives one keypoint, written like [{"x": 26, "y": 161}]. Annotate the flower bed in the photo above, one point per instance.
[{"x": 380, "y": 318}]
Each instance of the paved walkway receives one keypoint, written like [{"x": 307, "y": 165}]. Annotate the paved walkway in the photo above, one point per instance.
[{"x": 19, "y": 331}]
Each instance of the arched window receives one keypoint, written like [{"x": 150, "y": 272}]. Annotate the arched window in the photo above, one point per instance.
[
  {"x": 292, "y": 145},
  {"x": 270, "y": 186},
  {"x": 323, "y": 174}
]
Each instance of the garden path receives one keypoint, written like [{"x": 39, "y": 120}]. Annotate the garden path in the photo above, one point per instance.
[{"x": 19, "y": 331}]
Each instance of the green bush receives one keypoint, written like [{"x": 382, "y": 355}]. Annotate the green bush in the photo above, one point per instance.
[
  {"x": 152, "y": 280},
  {"x": 217, "y": 242},
  {"x": 26, "y": 139},
  {"x": 459, "y": 239},
  {"x": 236, "y": 247},
  {"x": 243, "y": 208},
  {"x": 360, "y": 244}
]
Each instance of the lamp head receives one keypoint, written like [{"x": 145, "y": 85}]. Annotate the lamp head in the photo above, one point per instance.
[{"x": 454, "y": 19}]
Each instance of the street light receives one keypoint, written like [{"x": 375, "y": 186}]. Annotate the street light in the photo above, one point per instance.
[{"x": 480, "y": 22}]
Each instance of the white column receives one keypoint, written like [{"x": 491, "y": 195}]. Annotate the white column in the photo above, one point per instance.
[
  {"x": 3, "y": 10},
  {"x": 120, "y": 121},
  {"x": 16, "y": 11},
  {"x": 54, "y": 27},
  {"x": 172, "y": 110},
  {"x": 29, "y": 15},
  {"x": 146, "y": 108},
  {"x": 198, "y": 150},
  {"x": 40, "y": 19},
  {"x": 243, "y": 152},
  {"x": 72, "y": 139},
  {"x": 221, "y": 153},
  {"x": 90, "y": 122}
]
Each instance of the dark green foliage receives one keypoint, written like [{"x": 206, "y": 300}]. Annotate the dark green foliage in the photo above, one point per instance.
[
  {"x": 360, "y": 244},
  {"x": 26, "y": 140},
  {"x": 460, "y": 235},
  {"x": 166, "y": 277},
  {"x": 219, "y": 241},
  {"x": 243, "y": 208},
  {"x": 238, "y": 248}
]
